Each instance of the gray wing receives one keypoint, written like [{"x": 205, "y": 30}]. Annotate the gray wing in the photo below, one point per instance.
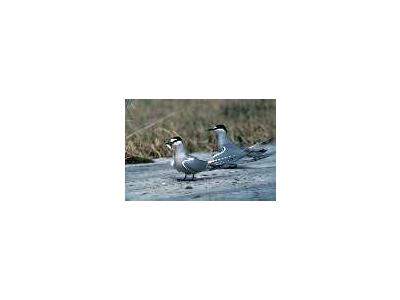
[
  {"x": 194, "y": 165},
  {"x": 229, "y": 153}
]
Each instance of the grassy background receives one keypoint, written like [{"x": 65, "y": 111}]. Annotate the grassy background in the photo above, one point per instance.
[{"x": 150, "y": 123}]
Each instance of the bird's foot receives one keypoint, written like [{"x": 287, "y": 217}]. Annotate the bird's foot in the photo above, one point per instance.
[{"x": 182, "y": 179}]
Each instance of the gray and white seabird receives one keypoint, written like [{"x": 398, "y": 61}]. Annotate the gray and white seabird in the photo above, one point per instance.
[
  {"x": 229, "y": 152},
  {"x": 183, "y": 162}
]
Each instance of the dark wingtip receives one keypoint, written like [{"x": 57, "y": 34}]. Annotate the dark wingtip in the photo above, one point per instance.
[{"x": 267, "y": 141}]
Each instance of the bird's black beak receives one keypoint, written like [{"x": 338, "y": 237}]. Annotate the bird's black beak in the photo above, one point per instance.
[{"x": 211, "y": 129}]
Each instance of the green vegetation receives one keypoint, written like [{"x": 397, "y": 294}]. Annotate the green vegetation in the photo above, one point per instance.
[{"x": 150, "y": 123}]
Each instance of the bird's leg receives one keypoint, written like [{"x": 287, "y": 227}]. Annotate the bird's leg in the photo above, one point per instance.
[
  {"x": 182, "y": 179},
  {"x": 192, "y": 176}
]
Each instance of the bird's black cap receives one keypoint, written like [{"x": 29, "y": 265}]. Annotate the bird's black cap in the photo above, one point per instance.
[
  {"x": 174, "y": 139},
  {"x": 177, "y": 138},
  {"x": 220, "y": 126}
]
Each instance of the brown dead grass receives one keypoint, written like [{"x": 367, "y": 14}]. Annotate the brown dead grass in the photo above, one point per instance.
[{"x": 150, "y": 123}]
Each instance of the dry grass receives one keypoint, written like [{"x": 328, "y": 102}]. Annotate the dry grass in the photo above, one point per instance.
[{"x": 150, "y": 123}]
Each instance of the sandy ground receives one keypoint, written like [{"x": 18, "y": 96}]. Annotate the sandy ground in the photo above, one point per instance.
[{"x": 158, "y": 181}]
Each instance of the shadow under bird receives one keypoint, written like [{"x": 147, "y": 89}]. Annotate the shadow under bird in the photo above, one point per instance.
[
  {"x": 229, "y": 152},
  {"x": 184, "y": 162}
]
